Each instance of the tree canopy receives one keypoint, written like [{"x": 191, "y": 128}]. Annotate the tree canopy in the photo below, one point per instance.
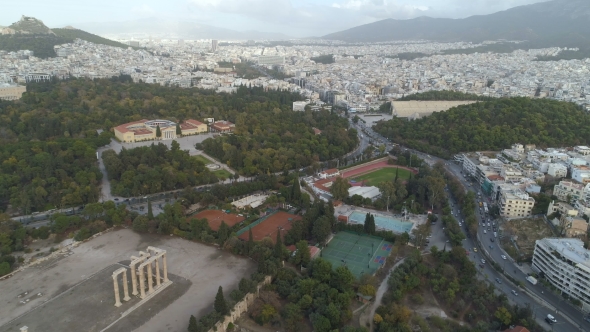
[
  {"x": 492, "y": 125},
  {"x": 152, "y": 169}
]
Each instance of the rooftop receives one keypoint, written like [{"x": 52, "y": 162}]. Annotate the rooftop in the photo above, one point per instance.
[{"x": 572, "y": 249}]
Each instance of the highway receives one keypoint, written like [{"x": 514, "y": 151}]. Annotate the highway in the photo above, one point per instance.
[{"x": 542, "y": 300}]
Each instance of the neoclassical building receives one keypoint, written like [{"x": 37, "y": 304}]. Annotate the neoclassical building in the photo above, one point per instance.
[{"x": 145, "y": 130}]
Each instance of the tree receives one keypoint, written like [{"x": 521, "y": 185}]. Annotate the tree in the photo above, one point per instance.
[
  {"x": 302, "y": 254},
  {"x": 220, "y": 304},
  {"x": 296, "y": 189},
  {"x": 321, "y": 229},
  {"x": 381, "y": 149},
  {"x": 503, "y": 315},
  {"x": 4, "y": 268},
  {"x": 369, "y": 225},
  {"x": 377, "y": 319},
  {"x": 339, "y": 189},
  {"x": 222, "y": 233},
  {"x": 158, "y": 131},
  {"x": 320, "y": 323},
  {"x": 279, "y": 251},
  {"x": 250, "y": 241},
  {"x": 178, "y": 130},
  {"x": 150, "y": 212},
  {"x": 436, "y": 189},
  {"x": 342, "y": 279},
  {"x": 192, "y": 324}
]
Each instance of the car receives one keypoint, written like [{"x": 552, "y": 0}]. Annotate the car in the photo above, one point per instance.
[
  {"x": 503, "y": 256},
  {"x": 492, "y": 239},
  {"x": 491, "y": 247},
  {"x": 474, "y": 249},
  {"x": 116, "y": 199},
  {"x": 484, "y": 231},
  {"x": 498, "y": 280},
  {"x": 483, "y": 261},
  {"x": 514, "y": 292}
]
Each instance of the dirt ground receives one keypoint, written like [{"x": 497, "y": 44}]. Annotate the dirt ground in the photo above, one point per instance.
[
  {"x": 205, "y": 267},
  {"x": 524, "y": 232}
]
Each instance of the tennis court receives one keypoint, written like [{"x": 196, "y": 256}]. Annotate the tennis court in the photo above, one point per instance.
[{"x": 361, "y": 253}]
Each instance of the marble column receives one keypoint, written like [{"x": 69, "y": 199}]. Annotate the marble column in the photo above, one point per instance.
[
  {"x": 150, "y": 280},
  {"x": 125, "y": 287},
  {"x": 165, "y": 268},
  {"x": 141, "y": 282},
  {"x": 158, "y": 271},
  {"x": 117, "y": 298},
  {"x": 133, "y": 279}
]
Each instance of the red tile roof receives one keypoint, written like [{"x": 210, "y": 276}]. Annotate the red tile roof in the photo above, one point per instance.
[
  {"x": 517, "y": 329},
  {"x": 123, "y": 128}
]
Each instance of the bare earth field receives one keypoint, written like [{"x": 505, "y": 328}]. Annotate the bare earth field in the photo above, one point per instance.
[{"x": 77, "y": 289}]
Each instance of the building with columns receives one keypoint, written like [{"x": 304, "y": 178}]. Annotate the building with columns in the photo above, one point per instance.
[
  {"x": 11, "y": 91},
  {"x": 145, "y": 130}
]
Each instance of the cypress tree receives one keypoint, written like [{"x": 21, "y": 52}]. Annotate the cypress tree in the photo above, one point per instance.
[
  {"x": 178, "y": 130},
  {"x": 220, "y": 305},
  {"x": 396, "y": 173},
  {"x": 150, "y": 212},
  {"x": 250, "y": 240},
  {"x": 158, "y": 131},
  {"x": 279, "y": 246},
  {"x": 192, "y": 324}
]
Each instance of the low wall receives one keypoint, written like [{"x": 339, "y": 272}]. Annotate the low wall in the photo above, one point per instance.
[{"x": 240, "y": 308}]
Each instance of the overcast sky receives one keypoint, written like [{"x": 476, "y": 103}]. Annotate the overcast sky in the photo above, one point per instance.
[{"x": 297, "y": 18}]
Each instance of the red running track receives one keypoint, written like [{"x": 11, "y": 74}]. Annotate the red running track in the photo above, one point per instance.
[{"x": 372, "y": 167}]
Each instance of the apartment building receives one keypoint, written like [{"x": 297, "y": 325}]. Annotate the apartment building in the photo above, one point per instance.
[
  {"x": 565, "y": 264},
  {"x": 516, "y": 204},
  {"x": 568, "y": 190},
  {"x": 11, "y": 91},
  {"x": 557, "y": 170}
]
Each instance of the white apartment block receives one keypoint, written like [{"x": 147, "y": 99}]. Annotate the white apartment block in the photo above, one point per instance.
[
  {"x": 568, "y": 190},
  {"x": 566, "y": 265},
  {"x": 516, "y": 204},
  {"x": 581, "y": 174},
  {"x": 557, "y": 170},
  {"x": 469, "y": 165}
]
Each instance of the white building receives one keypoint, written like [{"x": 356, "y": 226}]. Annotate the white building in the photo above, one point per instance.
[
  {"x": 565, "y": 264},
  {"x": 365, "y": 192},
  {"x": 568, "y": 190},
  {"x": 557, "y": 170},
  {"x": 299, "y": 105},
  {"x": 581, "y": 174}
]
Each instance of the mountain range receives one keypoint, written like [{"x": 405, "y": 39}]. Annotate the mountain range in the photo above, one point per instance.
[
  {"x": 166, "y": 28},
  {"x": 553, "y": 23}
]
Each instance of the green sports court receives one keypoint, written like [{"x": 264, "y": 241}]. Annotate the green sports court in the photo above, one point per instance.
[{"x": 361, "y": 253}]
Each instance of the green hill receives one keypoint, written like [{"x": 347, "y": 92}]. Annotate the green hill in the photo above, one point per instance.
[
  {"x": 42, "y": 45},
  {"x": 72, "y": 34},
  {"x": 493, "y": 125}
]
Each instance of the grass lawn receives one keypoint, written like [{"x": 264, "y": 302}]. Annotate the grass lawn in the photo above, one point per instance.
[
  {"x": 382, "y": 175},
  {"x": 222, "y": 174},
  {"x": 203, "y": 159}
]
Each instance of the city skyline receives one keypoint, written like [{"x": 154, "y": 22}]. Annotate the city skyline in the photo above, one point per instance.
[{"x": 294, "y": 18}]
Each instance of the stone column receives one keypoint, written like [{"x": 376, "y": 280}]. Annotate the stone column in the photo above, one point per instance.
[
  {"x": 165, "y": 268},
  {"x": 133, "y": 279},
  {"x": 150, "y": 280},
  {"x": 141, "y": 282},
  {"x": 158, "y": 271},
  {"x": 116, "y": 284},
  {"x": 125, "y": 287}
]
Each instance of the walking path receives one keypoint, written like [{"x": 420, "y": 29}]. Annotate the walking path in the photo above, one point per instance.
[{"x": 380, "y": 292}]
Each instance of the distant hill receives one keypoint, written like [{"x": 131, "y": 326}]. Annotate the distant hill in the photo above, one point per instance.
[
  {"x": 554, "y": 23},
  {"x": 30, "y": 25},
  {"x": 165, "y": 28},
  {"x": 31, "y": 34},
  {"x": 70, "y": 33}
]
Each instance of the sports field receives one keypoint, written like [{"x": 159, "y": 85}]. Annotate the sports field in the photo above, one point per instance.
[
  {"x": 203, "y": 159},
  {"x": 382, "y": 175},
  {"x": 268, "y": 226},
  {"x": 361, "y": 253}
]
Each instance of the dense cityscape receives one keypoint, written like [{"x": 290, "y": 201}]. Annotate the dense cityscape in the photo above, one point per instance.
[{"x": 407, "y": 173}]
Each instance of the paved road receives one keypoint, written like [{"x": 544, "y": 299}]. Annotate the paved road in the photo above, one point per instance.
[{"x": 542, "y": 300}]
